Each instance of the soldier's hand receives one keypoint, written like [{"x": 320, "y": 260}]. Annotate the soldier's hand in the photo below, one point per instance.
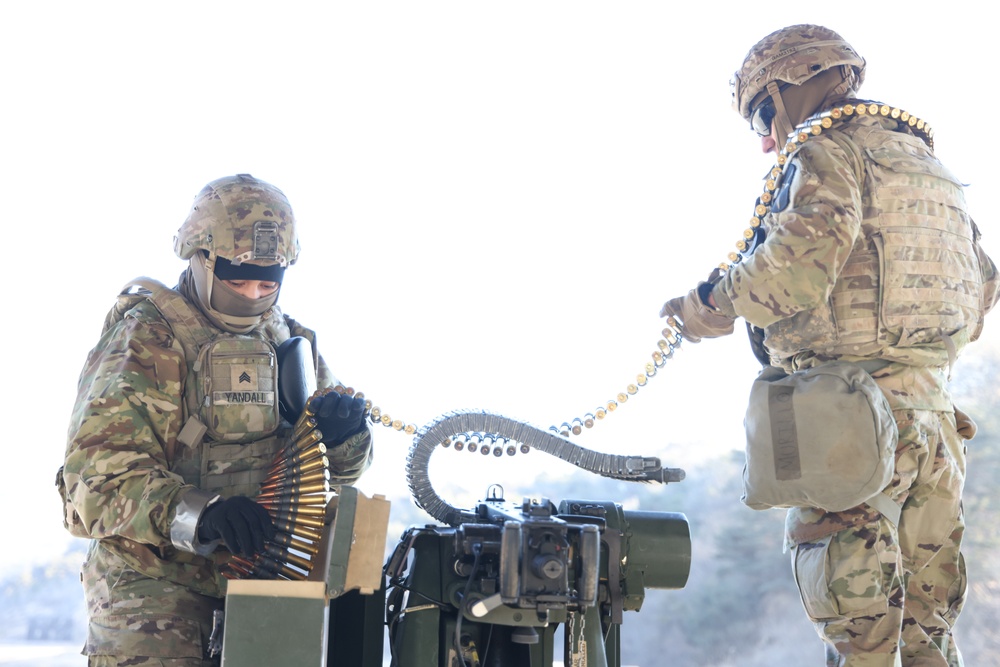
[
  {"x": 338, "y": 417},
  {"x": 695, "y": 319},
  {"x": 240, "y": 522}
]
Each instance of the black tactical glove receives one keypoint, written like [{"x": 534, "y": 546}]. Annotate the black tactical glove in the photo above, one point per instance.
[
  {"x": 240, "y": 522},
  {"x": 338, "y": 417}
]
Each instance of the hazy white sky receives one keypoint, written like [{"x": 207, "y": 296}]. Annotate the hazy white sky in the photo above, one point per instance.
[{"x": 494, "y": 198}]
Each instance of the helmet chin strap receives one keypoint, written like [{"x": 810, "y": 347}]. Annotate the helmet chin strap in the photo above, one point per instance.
[
  {"x": 782, "y": 123},
  {"x": 207, "y": 276}
]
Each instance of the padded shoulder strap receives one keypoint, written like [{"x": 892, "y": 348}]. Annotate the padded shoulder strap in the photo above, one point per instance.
[
  {"x": 191, "y": 331},
  {"x": 129, "y": 298},
  {"x": 185, "y": 322},
  {"x": 849, "y": 144}
]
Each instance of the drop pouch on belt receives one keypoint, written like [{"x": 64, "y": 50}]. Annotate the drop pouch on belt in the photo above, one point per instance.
[{"x": 823, "y": 437}]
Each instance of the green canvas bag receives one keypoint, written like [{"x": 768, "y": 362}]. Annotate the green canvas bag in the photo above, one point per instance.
[{"x": 823, "y": 437}]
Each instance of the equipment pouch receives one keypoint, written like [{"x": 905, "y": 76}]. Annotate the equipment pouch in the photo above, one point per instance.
[
  {"x": 238, "y": 390},
  {"x": 298, "y": 376},
  {"x": 823, "y": 437}
]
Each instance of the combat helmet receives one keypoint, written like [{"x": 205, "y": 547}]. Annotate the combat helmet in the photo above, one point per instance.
[
  {"x": 792, "y": 56},
  {"x": 239, "y": 228},
  {"x": 241, "y": 219}
]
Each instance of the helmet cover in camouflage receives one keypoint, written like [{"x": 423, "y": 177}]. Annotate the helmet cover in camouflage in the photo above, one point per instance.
[
  {"x": 793, "y": 55},
  {"x": 241, "y": 219}
]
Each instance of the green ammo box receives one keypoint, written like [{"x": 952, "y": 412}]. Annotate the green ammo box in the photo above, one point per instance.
[{"x": 277, "y": 622}]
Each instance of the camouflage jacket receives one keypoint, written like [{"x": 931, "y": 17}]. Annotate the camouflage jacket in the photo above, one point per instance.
[
  {"x": 128, "y": 472},
  {"x": 869, "y": 253}
]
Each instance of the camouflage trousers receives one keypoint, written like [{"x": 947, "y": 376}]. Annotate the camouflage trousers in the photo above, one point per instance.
[
  {"x": 136, "y": 620},
  {"x": 145, "y": 661},
  {"x": 887, "y": 596}
]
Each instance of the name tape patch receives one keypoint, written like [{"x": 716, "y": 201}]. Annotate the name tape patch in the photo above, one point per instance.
[{"x": 243, "y": 397}]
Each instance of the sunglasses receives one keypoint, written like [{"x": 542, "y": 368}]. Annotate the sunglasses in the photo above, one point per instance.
[{"x": 762, "y": 117}]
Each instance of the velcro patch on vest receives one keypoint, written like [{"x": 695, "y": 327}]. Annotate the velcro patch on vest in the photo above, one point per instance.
[
  {"x": 784, "y": 435},
  {"x": 243, "y": 397},
  {"x": 244, "y": 377},
  {"x": 239, "y": 381}
]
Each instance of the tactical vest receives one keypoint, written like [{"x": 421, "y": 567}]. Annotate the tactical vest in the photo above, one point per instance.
[
  {"x": 232, "y": 427},
  {"x": 913, "y": 276}
]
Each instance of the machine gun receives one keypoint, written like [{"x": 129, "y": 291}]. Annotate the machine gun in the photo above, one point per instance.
[
  {"x": 492, "y": 592},
  {"x": 484, "y": 587},
  {"x": 490, "y": 588}
]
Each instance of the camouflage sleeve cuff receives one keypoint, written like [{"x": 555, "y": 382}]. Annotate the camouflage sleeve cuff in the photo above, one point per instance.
[
  {"x": 350, "y": 459},
  {"x": 722, "y": 302},
  {"x": 184, "y": 527}
]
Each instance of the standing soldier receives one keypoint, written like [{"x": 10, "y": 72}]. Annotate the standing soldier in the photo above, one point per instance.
[
  {"x": 177, "y": 419},
  {"x": 866, "y": 253}
]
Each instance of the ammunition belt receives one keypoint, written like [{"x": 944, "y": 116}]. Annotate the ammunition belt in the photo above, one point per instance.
[
  {"x": 474, "y": 426},
  {"x": 295, "y": 492}
]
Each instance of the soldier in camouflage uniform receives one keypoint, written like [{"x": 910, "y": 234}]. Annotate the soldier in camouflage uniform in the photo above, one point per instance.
[
  {"x": 869, "y": 254},
  {"x": 177, "y": 419}
]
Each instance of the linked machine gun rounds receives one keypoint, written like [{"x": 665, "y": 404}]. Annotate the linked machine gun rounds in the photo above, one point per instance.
[{"x": 295, "y": 492}]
